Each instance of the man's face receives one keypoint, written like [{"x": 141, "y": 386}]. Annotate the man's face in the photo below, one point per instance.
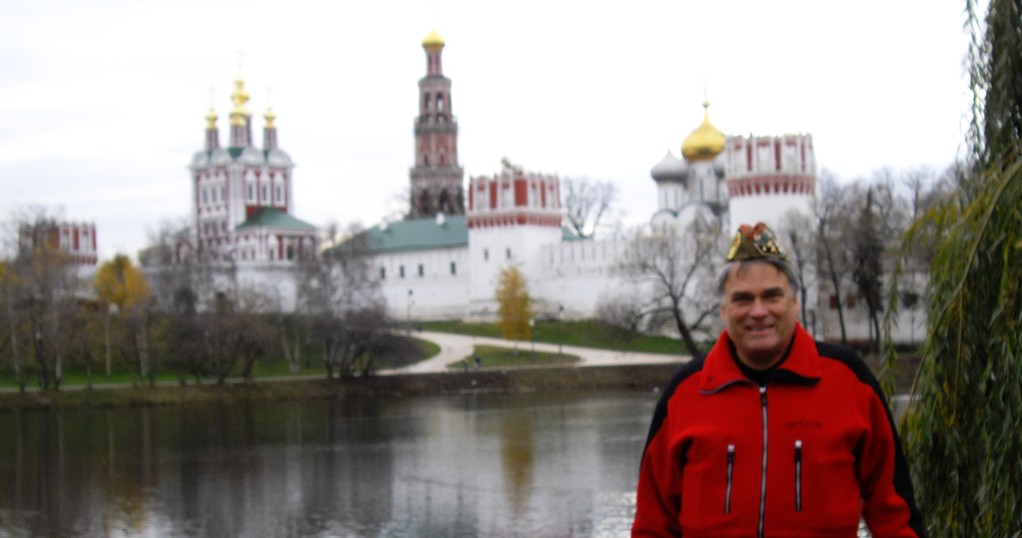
[{"x": 759, "y": 312}]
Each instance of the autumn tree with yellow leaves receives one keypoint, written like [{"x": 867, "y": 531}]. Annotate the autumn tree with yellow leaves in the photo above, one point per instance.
[
  {"x": 515, "y": 305},
  {"x": 123, "y": 291}
]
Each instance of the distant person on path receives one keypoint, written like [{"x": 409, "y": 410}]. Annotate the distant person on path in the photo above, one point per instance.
[
  {"x": 772, "y": 433},
  {"x": 479, "y": 361}
]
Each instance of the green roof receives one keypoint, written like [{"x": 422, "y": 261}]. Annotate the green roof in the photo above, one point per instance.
[
  {"x": 417, "y": 234},
  {"x": 271, "y": 217}
]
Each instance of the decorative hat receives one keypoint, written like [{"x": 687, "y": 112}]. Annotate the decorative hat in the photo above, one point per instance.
[{"x": 755, "y": 242}]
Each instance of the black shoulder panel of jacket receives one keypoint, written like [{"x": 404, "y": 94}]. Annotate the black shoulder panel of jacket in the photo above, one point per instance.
[
  {"x": 680, "y": 375},
  {"x": 850, "y": 358},
  {"x": 902, "y": 482}
]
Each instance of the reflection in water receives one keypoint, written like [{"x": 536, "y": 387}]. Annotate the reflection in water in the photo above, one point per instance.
[
  {"x": 517, "y": 445},
  {"x": 470, "y": 465}
]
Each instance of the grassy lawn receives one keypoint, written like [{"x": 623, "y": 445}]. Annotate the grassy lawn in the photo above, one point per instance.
[
  {"x": 506, "y": 357},
  {"x": 75, "y": 375},
  {"x": 585, "y": 333}
]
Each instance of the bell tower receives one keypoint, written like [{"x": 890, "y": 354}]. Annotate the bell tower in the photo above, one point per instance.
[{"x": 436, "y": 178}]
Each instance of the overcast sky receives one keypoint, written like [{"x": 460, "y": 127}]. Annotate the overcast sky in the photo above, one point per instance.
[{"x": 103, "y": 103}]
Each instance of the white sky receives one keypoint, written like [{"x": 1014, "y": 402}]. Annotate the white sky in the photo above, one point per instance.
[{"x": 103, "y": 103}]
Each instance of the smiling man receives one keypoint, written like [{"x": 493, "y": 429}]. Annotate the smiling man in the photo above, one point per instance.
[{"x": 771, "y": 433}]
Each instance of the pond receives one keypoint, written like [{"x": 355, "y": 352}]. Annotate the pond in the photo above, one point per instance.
[{"x": 557, "y": 464}]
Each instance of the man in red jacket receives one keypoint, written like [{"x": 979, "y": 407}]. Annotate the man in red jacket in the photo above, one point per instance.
[{"x": 771, "y": 433}]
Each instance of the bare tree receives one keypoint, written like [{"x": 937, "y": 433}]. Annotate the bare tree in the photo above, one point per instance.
[
  {"x": 867, "y": 272},
  {"x": 340, "y": 298},
  {"x": 45, "y": 291},
  {"x": 678, "y": 267},
  {"x": 623, "y": 312},
  {"x": 14, "y": 323},
  {"x": 586, "y": 202},
  {"x": 832, "y": 256},
  {"x": 797, "y": 234}
]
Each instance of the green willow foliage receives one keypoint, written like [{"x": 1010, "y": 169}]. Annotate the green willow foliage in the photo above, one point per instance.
[{"x": 963, "y": 434}]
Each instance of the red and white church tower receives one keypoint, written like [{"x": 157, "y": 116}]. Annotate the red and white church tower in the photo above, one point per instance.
[{"x": 436, "y": 178}]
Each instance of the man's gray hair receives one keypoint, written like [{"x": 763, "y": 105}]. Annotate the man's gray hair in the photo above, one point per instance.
[{"x": 780, "y": 264}]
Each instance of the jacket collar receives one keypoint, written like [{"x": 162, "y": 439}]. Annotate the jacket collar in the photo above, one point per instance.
[{"x": 802, "y": 365}]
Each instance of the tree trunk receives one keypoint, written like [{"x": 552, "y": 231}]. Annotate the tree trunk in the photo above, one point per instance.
[
  {"x": 686, "y": 335},
  {"x": 835, "y": 281}
]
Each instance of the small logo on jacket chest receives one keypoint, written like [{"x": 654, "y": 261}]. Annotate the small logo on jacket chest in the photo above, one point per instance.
[{"x": 803, "y": 424}]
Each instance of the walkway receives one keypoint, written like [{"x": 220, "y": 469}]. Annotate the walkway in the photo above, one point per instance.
[{"x": 454, "y": 347}]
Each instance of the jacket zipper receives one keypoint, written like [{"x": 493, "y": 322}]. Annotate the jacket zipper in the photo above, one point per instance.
[
  {"x": 798, "y": 475},
  {"x": 763, "y": 478},
  {"x": 730, "y": 475}
]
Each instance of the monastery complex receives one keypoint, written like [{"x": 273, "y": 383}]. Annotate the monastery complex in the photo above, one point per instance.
[{"x": 444, "y": 259}]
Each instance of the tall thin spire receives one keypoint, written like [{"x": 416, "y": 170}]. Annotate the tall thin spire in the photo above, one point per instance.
[
  {"x": 269, "y": 128},
  {"x": 241, "y": 134},
  {"x": 212, "y": 134}
]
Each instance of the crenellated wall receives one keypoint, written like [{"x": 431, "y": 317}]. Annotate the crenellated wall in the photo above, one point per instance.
[{"x": 768, "y": 176}]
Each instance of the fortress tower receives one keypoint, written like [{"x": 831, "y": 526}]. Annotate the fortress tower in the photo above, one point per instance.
[
  {"x": 436, "y": 178},
  {"x": 511, "y": 215},
  {"x": 768, "y": 176}
]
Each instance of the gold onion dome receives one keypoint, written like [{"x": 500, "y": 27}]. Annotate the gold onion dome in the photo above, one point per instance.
[
  {"x": 269, "y": 117},
  {"x": 433, "y": 41},
  {"x": 240, "y": 97},
  {"x": 706, "y": 142},
  {"x": 211, "y": 119}
]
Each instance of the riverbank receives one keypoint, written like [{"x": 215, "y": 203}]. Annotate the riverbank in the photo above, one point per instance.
[{"x": 646, "y": 377}]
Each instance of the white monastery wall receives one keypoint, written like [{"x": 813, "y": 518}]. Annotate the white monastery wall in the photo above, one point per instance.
[{"x": 425, "y": 284}]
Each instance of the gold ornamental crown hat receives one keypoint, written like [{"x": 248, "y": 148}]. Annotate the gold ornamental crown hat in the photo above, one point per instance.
[{"x": 755, "y": 242}]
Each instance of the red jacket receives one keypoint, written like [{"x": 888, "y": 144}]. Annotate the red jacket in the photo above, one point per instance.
[{"x": 806, "y": 455}]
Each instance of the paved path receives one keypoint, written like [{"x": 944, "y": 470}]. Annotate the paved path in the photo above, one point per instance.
[{"x": 454, "y": 347}]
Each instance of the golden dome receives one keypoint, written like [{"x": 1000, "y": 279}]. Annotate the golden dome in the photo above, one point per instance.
[
  {"x": 240, "y": 97},
  {"x": 270, "y": 116},
  {"x": 704, "y": 143},
  {"x": 433, "y": 41},
  {"x": 211, "y": 119}
]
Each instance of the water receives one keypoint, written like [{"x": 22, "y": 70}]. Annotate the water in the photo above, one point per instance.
[{"x": 471, "y": 465}]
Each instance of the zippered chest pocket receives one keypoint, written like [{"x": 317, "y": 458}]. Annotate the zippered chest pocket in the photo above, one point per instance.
[
  {"x": 730, "y": 477},
  {"x": 798, "y": 475}
]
